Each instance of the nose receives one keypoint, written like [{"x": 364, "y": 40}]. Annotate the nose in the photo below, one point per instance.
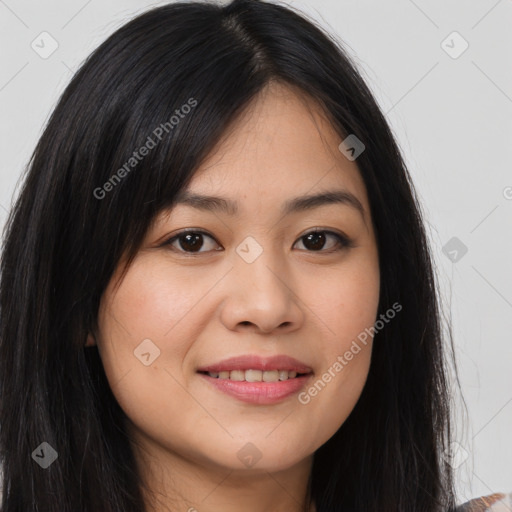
[{"x": 261, "y": 297}]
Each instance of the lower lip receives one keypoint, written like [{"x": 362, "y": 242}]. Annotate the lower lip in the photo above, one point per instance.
[{"x": 259, "y": 392}]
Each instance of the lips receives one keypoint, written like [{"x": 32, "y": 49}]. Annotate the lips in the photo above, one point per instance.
[
  {"x": 254, "y": 362},
  {"x": 257, "y": 380}
]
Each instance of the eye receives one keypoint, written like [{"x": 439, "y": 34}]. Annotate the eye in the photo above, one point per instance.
[
  {"x": 191, "y": 241},
  {"x": 315, "y": 240}
]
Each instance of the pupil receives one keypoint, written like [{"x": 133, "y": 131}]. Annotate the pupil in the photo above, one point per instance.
[
  {"x": 193, "y": 245},
  {"x": 316, "y": 237}
]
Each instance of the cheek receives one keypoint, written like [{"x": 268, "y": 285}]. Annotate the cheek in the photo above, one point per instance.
[
  {"x": 153, "y": 300},
  {"x": 151, "y": 312},
  {"x": 346, "y": 309},
  {"x": 347, "y": 299},
  {"x": 141, "y": 335},
  {"x": 151, "y": 303}
]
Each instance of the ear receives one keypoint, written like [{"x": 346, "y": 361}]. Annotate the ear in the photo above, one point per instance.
[{"x": 91, "y": 342}]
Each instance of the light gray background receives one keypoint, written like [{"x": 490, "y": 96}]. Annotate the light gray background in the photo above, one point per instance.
[{"x": 451, "y": 116}]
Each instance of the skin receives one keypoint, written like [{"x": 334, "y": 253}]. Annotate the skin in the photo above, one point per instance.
[{"x": 198, "y": 310}]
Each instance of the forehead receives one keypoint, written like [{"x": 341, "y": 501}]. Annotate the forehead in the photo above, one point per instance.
[{"x": 282, "y": 146}]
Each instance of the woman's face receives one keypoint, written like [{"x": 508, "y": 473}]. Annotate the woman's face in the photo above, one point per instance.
[{"x": 253, "y": 286}]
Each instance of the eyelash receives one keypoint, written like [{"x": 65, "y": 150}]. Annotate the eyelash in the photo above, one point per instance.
[{"x": 343, "y": 241}]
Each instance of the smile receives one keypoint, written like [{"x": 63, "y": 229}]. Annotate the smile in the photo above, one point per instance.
[
  {"x": 259, "y": 392},
  {"x": 255, "y": 375},
  {"x": 256, "y": 379}
]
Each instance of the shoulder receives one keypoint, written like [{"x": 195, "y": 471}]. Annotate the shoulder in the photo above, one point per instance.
[{"x": 498, "y": 502}]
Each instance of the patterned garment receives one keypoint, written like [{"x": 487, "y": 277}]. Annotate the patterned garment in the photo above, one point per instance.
[{"x": 493, "y": 503}]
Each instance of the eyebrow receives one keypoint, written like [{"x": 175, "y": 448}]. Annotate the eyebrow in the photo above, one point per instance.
[{"x": 297, "y": 204}]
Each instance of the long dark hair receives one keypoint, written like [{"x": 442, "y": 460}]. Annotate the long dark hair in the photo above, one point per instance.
[{"x": 73, "y": 220}]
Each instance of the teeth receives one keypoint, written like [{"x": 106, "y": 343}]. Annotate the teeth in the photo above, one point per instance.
[
  {"x": 236, "y": 375},
  {"x": 255, "y": 375},
  {"x": 283, "y": 375},
  {"x": 270, "y": 376}
]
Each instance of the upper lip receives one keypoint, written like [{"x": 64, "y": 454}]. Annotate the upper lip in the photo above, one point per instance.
[{"x": 255, "y": 362}]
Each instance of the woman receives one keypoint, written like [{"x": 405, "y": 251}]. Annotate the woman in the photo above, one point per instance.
[{"x": 216, "y": 285}]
